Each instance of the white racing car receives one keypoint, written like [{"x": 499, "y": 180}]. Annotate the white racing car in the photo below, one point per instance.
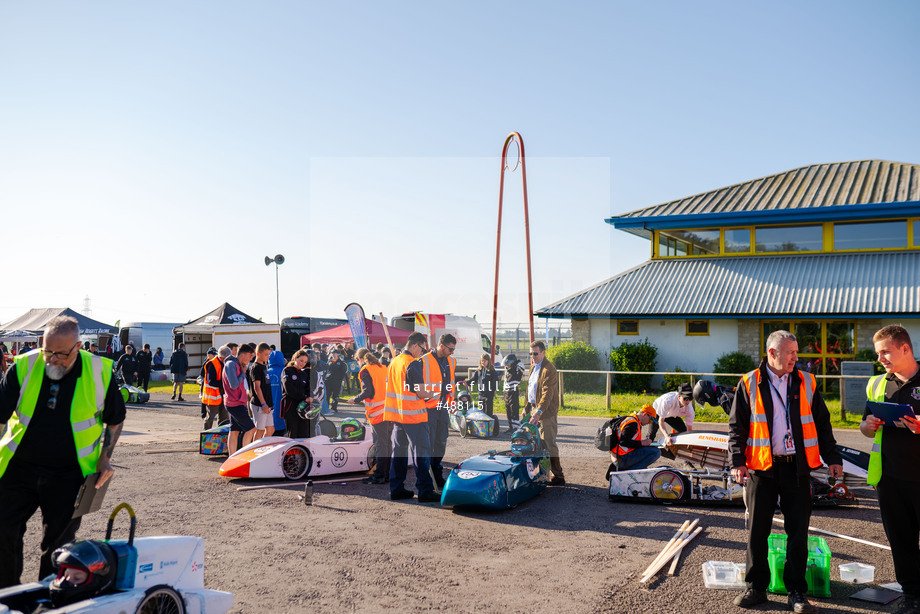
[
  {"x": 282, "y": 457},
  {"x": 147, "y": 575}
]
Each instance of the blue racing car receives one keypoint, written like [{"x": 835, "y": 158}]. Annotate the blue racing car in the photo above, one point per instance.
[{"x": 500, "y": 480}]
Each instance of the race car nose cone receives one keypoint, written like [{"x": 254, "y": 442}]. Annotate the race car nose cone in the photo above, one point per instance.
[{"x": 235, "y": 468}]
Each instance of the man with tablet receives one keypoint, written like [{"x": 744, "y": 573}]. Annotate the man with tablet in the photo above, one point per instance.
[{"x": 894, "y": 464}]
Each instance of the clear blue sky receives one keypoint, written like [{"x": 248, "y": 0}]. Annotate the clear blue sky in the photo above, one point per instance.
[{"x": 152, "y": 153}]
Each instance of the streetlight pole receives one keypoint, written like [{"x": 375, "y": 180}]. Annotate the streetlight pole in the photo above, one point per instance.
[{"x": 278, "y": 260}]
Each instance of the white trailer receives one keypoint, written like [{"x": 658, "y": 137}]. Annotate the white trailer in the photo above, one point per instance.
[{"x": 472, "y": 343}]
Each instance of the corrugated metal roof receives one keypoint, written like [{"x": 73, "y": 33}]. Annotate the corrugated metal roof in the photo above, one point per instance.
[
  {"x": 818, "y": 185},
  {"x": 831, "y": 285}
]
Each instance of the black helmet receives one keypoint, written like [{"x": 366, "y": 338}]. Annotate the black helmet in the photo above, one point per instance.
[
  {"x": 95, "y": 559},
  {"x": 707, "y": 393},
  {"x": 509, "y": 360}
]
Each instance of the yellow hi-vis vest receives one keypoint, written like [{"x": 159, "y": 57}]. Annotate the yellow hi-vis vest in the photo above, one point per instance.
[
  {"x": 85, "y": 410},
  {"x": 401, "y": 404},
  {"x": 759, "y": 450},
  {"x": 875, "y": 391},
  {"x": 373, "y": 407},
  {"x": 431, "y": 373}
]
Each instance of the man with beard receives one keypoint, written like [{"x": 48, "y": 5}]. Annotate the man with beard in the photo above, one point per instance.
[{"x": 64, "y": 414}]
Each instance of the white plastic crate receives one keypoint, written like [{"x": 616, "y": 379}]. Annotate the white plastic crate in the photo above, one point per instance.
[
  {"x": 721, "y": 574},
  {"x": 857, "y": 573}
]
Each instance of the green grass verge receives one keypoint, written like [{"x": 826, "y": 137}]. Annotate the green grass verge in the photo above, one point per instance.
[{"x": 595, "y": 405}]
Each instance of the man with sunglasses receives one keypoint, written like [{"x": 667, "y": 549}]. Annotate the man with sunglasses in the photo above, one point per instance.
[
  {"x": 64, "y": 414},
  {"x": 543, "y": 405}
]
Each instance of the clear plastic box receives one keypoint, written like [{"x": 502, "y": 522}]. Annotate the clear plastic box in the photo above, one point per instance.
[
  {"x": 857, "y": 573},
  {"x": 721, "y": 574}
]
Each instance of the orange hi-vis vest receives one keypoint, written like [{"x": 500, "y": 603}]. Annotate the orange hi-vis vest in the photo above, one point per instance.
[
  {"x": 431, "y": 373},
  {"x": 758, "y": 453},
  {"x": 210, "y": 395},
  {"x": 373, "y": 407},
  {"x": 401, "y": 404},
  {"x": 620, "y": 450}
]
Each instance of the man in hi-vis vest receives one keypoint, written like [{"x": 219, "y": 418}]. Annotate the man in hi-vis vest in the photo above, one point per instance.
[
  {"x": 895, "y": 458},
  {"x": 63, "y": 414},
  {"x": 779, "y": 430}
]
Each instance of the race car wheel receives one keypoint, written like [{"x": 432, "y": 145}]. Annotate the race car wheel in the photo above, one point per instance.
[
  {"x": 161, "y": 600},
  {"x": 668, "y": 485},
  {"x": 296, "y": 462},
  {"x": 372, "y": 458}
]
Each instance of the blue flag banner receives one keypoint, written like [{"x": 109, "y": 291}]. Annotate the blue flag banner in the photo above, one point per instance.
[{"x": 355, "y": 314}]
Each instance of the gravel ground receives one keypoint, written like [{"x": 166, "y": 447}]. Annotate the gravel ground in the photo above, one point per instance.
[{"x": 570, "y": 549}]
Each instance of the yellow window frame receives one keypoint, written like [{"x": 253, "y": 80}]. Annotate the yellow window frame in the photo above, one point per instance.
[
  {"x": 827, "y": 241},
  {"x": 690, "y": 334},
  {"x": 620, "y": 327}
]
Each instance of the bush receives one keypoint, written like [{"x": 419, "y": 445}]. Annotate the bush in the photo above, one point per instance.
[
  {"x": 869, "y": 355},
  {"x": 732, "y": 362},
  {"x": 577, "y": 355},
  {"x": 674, "y": 379},
  {"x": 639, "y": 356}
]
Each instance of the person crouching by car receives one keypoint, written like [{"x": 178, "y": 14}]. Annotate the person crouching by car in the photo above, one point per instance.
[
  {"x": 373, "y": 377},
  {"x": 630, "y": 450},
  {"x": 236, "y": 399},
  {"x": 675, "y": 411},
  {"x": 295, "y": 388}
]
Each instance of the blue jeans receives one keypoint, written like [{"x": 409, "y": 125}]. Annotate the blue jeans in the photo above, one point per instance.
[
  {"x": 438, "y": 430},
  {"x": 417, "y": 434},
  {"x": 639, "y": 458}
]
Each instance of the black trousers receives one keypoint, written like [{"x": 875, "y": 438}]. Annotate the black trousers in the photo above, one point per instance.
[
  {"x": 143, "y": 377},
  {"x": 488, "y": 401},
  {"x": 677, "y": 424},
  {"x": 899, "y": 502},
  {"x": 22, "y": 492},
  {"x": 513, "y": 408},
  {"x": 794, "y": 493}
]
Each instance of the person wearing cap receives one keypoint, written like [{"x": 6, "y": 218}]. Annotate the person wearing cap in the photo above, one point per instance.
[
  {"x": 631, "y": 451},
  {"x": 212, "y": 388},
  {"x": 675, "y": 411}
]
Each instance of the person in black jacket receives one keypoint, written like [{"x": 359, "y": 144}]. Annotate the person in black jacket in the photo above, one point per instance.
[
  {"x": 295, "y": 388},
  {"x": 514, "y": 373},
  {"x": 338, "y": 369},
  {"x": 144, "y": 362},
  {"x": 778, "y": 428},
  {"x": 178, "y": 366},
  {"x": 128, "y": 365},
  {"x": 486, "y": 380}
]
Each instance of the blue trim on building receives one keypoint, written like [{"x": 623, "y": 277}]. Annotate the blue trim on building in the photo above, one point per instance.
[{"x": 837, "y": 213}]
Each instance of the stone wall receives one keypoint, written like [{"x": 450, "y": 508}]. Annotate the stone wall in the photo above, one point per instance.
[
  {"x": 581, "y": 330},
  {"x": 864, "y": 331},
  {"x": 749, "y": 338}
]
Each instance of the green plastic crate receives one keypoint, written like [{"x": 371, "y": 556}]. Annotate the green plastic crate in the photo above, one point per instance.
[{"x": 818, "y": 572}]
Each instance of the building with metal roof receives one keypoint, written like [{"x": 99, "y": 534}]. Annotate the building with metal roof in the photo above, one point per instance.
[{"x": 828, "y": 251}]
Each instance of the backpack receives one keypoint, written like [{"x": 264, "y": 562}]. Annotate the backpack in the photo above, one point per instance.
[{"x": 605, "y": 436}]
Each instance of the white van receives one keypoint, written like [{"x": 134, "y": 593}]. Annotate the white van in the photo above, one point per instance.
[
  {"x": 472, "y": 343},
  {"x": 199, "y": 337},
  {"x": 157, "y": 334}
]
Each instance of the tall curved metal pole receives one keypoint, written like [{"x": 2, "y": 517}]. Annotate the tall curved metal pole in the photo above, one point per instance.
[{"x": 514, "y": 136}]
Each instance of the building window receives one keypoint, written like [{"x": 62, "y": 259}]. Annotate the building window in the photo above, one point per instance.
[
  {"x": 738, "y": 241},
  {"x": 870, "y": 235},
  {"x": 822, "y": 346},
  {"x": 627, "y": 327},
  {"x": 916, "y": 224},
  {"x": 788, "y": 239},
  {"x": 697, "y": 327}
]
